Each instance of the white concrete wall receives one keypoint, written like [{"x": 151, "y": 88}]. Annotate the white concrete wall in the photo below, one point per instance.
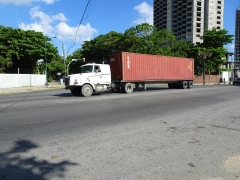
[
  {"x": 20, "y": 80},
  {"x": 228, "y": 74}
]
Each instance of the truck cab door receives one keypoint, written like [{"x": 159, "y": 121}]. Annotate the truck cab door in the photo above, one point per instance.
[
  {"x": 95, "y": 76},
  {"x": 106, "y": 74}
]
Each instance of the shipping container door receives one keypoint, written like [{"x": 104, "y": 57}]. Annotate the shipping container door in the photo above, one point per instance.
[{"x": 116, "y": 67}]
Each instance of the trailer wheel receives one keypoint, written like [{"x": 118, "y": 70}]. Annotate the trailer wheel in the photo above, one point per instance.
[
  {"x": 87, "y": 90},
  {"x": 128, "y": 88},
  {"x": 184, "y": 85},
  {"x": 76, "y": 92},
  {"x": 190, "y": 84}
]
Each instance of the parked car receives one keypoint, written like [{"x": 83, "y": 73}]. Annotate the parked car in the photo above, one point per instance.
[{"x": 236, "y": 81}]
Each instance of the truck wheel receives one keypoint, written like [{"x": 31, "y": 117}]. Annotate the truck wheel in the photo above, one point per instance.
[
  {"x": 87, "y": 90},
  {"x": 190, "y": 84},
  {"x": 76, "y": 92},
  {"x": 184, "y": 84},
  {"x": 128, "y": 88}
]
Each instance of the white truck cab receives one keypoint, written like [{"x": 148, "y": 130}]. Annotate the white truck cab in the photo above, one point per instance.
[{"x": 92, "y": 78}]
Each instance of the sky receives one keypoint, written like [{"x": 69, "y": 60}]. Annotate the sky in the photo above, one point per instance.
[{"x": 71, "y": 22}]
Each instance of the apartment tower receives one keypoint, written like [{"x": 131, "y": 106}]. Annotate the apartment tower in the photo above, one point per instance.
[
  {"x": 188, "y": 18},
  {"x": 237, "y": 39}
]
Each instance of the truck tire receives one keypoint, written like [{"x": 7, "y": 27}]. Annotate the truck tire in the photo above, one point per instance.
[
  {"x": 190, "y": 84},
  {"x": 128, "y": 88},
  {"x": 184, "y": 84},
  {"x": 87, "y": 90},
  {"x": 76, "y": 92}
]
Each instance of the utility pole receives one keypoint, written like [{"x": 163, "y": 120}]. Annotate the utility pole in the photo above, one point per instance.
[{"x": 64, "y": 60}]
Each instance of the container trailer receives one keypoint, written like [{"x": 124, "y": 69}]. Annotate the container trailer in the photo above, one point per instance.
[{"x": 127, "y": 71}]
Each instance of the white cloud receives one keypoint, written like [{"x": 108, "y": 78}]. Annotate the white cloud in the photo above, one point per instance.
[
  {"x": 83, "y": 33},
  {"x": 25, "y": 2},
  {"x": 43, "y": 23},
  {"x": 56, "y": 26},
  {"x": 16, "y": 2},
  {"x": 60, "y": 17},
  {"x": 46, "y": 1},
  {"x": 145, "y": 12}
]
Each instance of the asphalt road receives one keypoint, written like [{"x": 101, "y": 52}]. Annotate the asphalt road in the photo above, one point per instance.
[{"x": 157, "y": 134}]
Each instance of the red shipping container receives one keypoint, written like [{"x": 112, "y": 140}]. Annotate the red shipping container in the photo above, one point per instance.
[{"x": 135, "y": 67}]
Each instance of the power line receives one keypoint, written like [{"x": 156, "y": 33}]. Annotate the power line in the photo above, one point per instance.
[
  {"x": 89, "y": 11},
  {"x": 75, "y": 37}
]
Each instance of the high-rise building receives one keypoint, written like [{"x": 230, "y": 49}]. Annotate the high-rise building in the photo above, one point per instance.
[
  {"x": 188, "y": 18},
  {"x": 237, "y": 40}
]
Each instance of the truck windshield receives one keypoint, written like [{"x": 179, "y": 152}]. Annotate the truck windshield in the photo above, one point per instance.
[{"x": 86, "y": 69}]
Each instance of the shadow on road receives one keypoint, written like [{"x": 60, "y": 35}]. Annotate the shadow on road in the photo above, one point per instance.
[
  {"x": 14, "y": 166},
  {"x": 152, "y": 88}
]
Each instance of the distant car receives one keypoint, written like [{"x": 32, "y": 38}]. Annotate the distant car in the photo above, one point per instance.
[{"x": 236, "y": 81}]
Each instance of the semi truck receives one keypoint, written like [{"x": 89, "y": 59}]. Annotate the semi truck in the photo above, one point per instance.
[{"x": 127, "y": 71}]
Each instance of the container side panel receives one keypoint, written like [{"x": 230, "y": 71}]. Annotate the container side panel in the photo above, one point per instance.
[{"x": 134, "y": 67}]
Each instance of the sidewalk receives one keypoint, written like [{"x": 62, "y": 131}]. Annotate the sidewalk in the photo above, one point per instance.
[{"x": 52, "y": 85}]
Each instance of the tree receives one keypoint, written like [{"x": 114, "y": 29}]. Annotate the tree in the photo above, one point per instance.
[
  {"x": 138, "y": 39},
  {"x": 22, "y": 49},
  {"x": 202, "y": 55},
  {"x": 182, "y": 49},
  {"x": 55, "y": 66},
  {"x": 143, "y": 38},
  {"x": 146, "y": 39},
  {"x": 99, "y": 49},
  {"x": 214, "y": 41},
  {"x": 210, "y": 54}
]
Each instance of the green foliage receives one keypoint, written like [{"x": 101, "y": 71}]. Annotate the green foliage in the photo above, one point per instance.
[
  {"x": 182, "y": 49},
  {"x": 226, "y": 69},
  {"x": 139, "y": 39},
  {"x": 211, "y": 53},
  {"x": 99, "y": 49},
  {"x": 22, "y": 49},
  {"x": 215, "y": 38},
  {"x": 56, "y": 66},
  {"x": 143, "y": 38}
]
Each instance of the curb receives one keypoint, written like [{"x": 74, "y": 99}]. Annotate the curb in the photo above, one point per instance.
[{"x": 29, "y": 89}]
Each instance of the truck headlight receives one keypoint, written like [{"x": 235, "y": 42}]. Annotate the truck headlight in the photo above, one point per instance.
[{"x": 75, "y": 81}]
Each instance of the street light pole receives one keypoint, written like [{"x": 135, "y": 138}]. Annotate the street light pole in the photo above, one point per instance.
[
  {"x": 46, "y": 84},
  {"x": 64, "y": 60},
  {"x": 45, "y": 54},
  {"x": 83, "y": 59}
]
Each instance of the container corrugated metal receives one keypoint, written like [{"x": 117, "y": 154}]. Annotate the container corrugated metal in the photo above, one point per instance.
[{"x": 135, "y": 67}]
